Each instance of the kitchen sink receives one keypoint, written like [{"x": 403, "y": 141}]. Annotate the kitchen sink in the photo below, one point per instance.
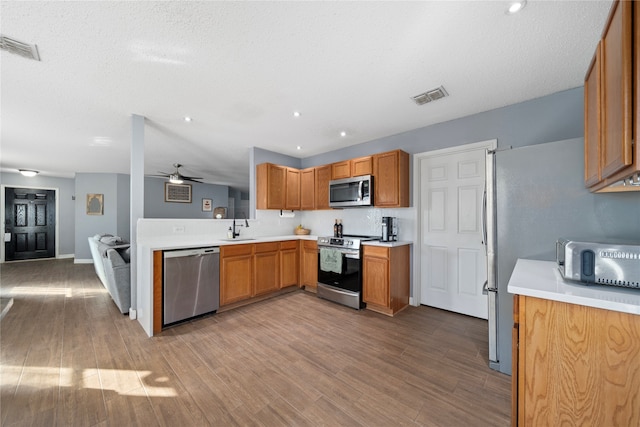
[{"x": 238, "y": 239}]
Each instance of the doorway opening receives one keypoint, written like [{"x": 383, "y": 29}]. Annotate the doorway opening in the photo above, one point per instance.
[{"x": 29, "y": 223}]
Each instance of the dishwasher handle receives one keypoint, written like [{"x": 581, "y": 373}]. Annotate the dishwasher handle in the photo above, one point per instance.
[{"x": 191, "y": 252}]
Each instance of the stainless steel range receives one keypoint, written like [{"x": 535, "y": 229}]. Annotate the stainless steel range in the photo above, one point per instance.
[{"x": 340, "y": 269}]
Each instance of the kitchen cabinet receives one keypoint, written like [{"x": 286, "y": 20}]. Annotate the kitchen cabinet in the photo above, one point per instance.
[
  {"x": 391, "y": 179},
  {"x": 270, "y": 186},
  {"x": 292, "y": 199},
  {"x": 341, "y": 169},
  {"x": 289, "y": 264},
  {"x": 353, "y": 167},
  {"x": 611, "y": 88},
  {"x": 309, "y": 264},
  {"x": 592, "y": 121},
  {"x": 236, "y": 273},
  {"x": 362, "y": 166},
  {"x": 574, "y": 365},
  {"x": 308, "y": 189},
  {"x": 266, "y": 268},
  {"x": 323, "y": 176},
  {"x": 385, "y": 278},
  {"x": 277, "y": 187}
]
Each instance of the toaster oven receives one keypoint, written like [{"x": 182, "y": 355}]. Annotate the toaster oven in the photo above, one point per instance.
[{"x": 599, "y": 263}]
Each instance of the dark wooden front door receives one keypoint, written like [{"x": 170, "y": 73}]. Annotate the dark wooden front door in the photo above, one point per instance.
[{"x": 30, "y": 223}]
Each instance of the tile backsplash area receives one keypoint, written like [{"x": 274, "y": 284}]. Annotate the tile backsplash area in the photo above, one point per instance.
[{"x": 360, "y": 221}]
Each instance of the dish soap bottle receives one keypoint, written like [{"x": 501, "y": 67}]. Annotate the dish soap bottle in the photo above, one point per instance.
[
  {"x": 230, "y": 233},
  {"x": 335, "y": 229}
]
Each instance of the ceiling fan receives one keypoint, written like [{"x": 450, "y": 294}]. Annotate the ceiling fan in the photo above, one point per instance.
[{"x": 177, "y": 178}]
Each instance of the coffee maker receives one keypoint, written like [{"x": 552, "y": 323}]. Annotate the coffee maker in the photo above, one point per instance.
[{"x": 389, "y": 229}]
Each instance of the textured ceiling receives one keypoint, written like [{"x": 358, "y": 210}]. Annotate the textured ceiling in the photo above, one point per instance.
[{"x": 240, "y": 69}]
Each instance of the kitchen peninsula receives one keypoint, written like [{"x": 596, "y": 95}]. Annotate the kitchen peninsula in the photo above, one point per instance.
[
  {"x": 576, "y": 350},
  {"x": 285, "y": 261}
]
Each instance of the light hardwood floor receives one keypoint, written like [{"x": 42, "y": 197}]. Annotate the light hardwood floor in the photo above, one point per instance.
[{"x": 69, "y": 358}]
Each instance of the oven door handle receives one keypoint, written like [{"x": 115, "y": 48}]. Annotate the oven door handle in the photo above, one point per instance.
[{"x": 351, "y": 255}]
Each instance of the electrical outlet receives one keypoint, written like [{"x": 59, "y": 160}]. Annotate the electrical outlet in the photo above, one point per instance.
[{"x": 178, "y": 228}]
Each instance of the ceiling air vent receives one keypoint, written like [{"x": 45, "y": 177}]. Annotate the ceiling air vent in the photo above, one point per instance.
[
  {"x": 431, "y": 95},
  {"x": 19, "y": 48}
]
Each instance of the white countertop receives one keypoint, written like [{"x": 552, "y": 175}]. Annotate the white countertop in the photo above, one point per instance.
[
  {"x": 178, "y": 242},
  {"x": 386, "y": 244},
  {"x": 542, "y": 279}
]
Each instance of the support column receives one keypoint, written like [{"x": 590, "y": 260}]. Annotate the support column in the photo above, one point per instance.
[{"x": 136, "y": 202}]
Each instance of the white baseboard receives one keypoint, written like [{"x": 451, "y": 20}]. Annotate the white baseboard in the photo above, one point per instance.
[
  {"x": 63, "y": 256},
  {"x": 132, "y": 314},
  {"x": 83, "y": 261}
]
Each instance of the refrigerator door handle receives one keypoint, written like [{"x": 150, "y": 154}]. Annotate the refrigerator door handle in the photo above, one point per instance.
[
  {"x": 485, "y": 287},
  {"x": 484, "y": 216}
]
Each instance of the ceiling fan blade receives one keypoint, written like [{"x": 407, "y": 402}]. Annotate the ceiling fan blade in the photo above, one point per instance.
[{"x": 192, "y": 179}]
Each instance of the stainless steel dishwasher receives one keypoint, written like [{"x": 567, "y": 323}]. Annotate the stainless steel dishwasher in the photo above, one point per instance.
[{"x": 191, "y": 283}]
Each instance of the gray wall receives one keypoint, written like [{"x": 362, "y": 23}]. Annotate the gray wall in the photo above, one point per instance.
[
  {"x": 551, "y": 118},
  {"x": 66, "y": 204},
  {"x": 156, "y": 207},
  {"x": 115, "y": 219}
]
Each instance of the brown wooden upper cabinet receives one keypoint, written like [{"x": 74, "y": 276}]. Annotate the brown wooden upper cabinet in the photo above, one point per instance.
[
  {"x": 278, "y": 187},
  {"x": 292, "y": 201},
  {"x": 308, "y": 189},
  {"x": 362, "y": 166},
  {"x": 353, "y": 167},
  {"x": 341, "y": 170},
  {"x": 282, "y": 187},
  {"x": 323, "y": 176},
  {"x": 391, "y": 179},
  {"x": 610, "y": 114}
]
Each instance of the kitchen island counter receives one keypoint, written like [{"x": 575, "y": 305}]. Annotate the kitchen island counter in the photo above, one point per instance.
[
  {"x": 145, "y": 263},
  {"x": 542, "y": 279},
  {"x": 185, "y": 242}
]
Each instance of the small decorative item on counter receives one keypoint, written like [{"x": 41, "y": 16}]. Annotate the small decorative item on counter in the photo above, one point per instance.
[
  {"x": 339, "y": 228},
  {"x": 300, "y": 230}
]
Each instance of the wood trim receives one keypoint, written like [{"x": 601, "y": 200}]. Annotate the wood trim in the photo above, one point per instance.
[
  {"x": 514, "y": 361},
  {"x": 158, "y": 278}
]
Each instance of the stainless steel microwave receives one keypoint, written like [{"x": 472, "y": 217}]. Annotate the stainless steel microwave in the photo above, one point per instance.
[{"x": 351, "y": 192}]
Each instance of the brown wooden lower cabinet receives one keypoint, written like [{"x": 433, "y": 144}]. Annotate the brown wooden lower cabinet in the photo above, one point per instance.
[
  {"x": 576, "y": 365},
  {"x": 309, "y": 264},
  {"x": 385, "y": 278},
  {"x": 266, "y": 268},
  {"x": 236, "y": 273},
  {"x": 289, "y": 264}
]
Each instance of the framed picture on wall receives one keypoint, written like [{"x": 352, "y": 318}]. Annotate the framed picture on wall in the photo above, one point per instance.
[
  {"x": 207, "y": 205},
  {"x": 95, "y": 204},
  {"x": 177, "y": 193}
]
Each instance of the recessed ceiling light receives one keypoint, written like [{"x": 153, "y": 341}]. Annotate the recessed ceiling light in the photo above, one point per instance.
[
  {"x": 343, "y": 133},
  {"x": 298, "y": 148},
  {"x": 296, "y": 114},
  {"x": 28, "y": 172},
  {"x": 187, "y": 119},
  {"x": 516, "y": 6}
]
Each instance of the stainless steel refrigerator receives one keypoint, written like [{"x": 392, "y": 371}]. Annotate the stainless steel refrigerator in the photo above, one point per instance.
[{"x": 536, "y": 194}]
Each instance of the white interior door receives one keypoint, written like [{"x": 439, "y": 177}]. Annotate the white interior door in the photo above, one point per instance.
[{"x": 453, "y": 265}]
